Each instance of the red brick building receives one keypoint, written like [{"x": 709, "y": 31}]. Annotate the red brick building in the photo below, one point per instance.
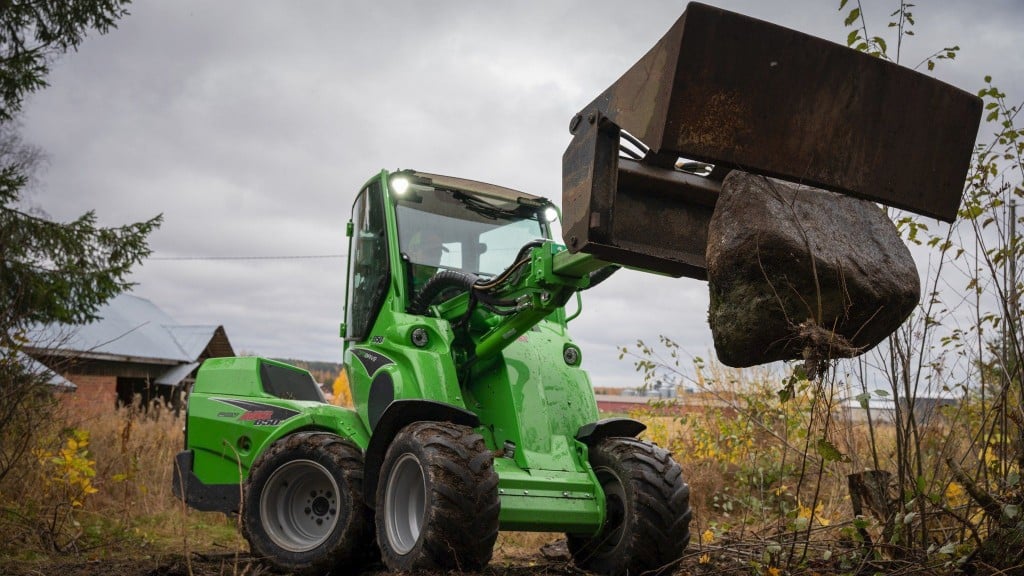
[{"x": 681, "y": 405}]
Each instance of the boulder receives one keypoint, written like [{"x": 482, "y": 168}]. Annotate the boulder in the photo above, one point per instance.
[{"x": 801, "y": 273}]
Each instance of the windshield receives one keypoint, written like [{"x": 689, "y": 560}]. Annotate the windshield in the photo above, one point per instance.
[{"x": 453, "y": 229}]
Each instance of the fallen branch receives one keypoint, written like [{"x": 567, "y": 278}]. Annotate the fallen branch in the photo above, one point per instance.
[{"x": 987, "y": 502}]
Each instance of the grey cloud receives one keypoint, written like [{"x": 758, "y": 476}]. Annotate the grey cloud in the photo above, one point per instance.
[{"x": 252, "y": 125}]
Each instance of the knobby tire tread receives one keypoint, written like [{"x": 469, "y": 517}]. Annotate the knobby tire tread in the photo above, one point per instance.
[
  {"x": 657, "y": 531},
  {"x": 462, "y": 523},
  {"x": 355, "y": 547}
]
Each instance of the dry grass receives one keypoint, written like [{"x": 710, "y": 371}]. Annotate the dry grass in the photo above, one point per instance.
[
  {"x": 752, "y": 488},
  {"x": 519, "y": 547},
  {"x": 133, "y": 451},
  {"x": 133, "y": 509},
  {"x": 755, "y": 490}
]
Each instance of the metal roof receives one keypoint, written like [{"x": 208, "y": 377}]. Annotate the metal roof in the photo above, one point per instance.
[
  {"x": 32, "y": 366},
  {"x": 192, "y": 339},
  {"x": 130, "y": 328},
  {"x": 175, "y": 375}
]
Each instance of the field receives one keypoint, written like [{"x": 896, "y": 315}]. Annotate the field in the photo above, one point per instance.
[
  {"x": 99, "y": 502},
  {"x": 768, "y": 464}
]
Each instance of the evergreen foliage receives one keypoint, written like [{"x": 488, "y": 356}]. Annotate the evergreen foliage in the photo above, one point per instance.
[{"x": 51, "y": 271}]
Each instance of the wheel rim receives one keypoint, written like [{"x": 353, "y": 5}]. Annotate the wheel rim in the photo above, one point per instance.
[
  {"x": 615, "y": 507},
  {"x": 405, "y": 503},
  {"x": 299, "y": 506}
]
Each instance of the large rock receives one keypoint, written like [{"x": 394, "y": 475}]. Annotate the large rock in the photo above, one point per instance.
[{"x": 800, "y": 273}]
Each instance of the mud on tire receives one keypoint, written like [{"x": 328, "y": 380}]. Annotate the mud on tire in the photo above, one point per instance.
[
  {"x": 647, "y": 525},
  {"x": 437, "y": 500},
  {"x": 303, "y": 508}
]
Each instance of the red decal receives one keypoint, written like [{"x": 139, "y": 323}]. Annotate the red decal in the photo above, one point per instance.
[{"x": 257, "y": 415}]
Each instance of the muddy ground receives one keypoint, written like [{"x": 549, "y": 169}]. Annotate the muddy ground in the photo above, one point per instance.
[
  {"x": 236, "y": 564},
  {"x": 202, "y": 565}
]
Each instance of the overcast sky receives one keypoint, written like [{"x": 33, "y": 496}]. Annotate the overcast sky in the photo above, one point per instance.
[{"x": 251, "y": 125}]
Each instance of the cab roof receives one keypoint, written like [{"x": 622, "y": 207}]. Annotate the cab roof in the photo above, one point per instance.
[{"x": 484, "y": 188}]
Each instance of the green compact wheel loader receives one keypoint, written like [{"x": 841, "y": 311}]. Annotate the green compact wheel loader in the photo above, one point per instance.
[{"x": 473, "y": 412}]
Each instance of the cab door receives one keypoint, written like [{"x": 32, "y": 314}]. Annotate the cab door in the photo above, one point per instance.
[{"x": 369, "y": 269}]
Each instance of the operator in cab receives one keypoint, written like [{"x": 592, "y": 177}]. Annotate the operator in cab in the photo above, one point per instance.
[{"x": 424, "y": 252}]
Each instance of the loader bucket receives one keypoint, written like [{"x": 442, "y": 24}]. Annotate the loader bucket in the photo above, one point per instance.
[{"x": 739, "y": 93}]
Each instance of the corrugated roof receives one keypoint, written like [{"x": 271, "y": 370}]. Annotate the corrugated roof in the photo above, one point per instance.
[
  {"x": 192, "y": 339},
  {"x": 175, "y": 375},
  {"x": 130, "y": 327},
  {"x": 35, "y": 367}
]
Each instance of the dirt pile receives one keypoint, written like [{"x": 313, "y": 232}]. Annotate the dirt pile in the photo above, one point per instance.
[{"x": 800, "y": 273}]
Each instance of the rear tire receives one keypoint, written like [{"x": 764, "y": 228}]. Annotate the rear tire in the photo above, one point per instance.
[
  {"x": 303, "y": 504},
  {"x": 437, "y": 501},
  {"x": 647, "y": 523}
]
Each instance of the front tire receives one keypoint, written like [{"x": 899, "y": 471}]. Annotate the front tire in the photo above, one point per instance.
[
  {"x": 437, "y": 501},
  {"x": 303, "y": 504},
  {"x": 647, "y": 520}
]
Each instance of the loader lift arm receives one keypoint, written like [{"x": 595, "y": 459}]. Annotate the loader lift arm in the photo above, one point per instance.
[{"x": 531, "y": 289}]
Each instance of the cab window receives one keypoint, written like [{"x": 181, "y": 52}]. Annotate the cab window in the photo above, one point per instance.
[{"x": 369, "y": 270}]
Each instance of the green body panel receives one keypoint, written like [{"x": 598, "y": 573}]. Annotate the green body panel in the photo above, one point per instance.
[
  {"x": 510, "y": 367},
  {"x": 545, "y": 500},
  {"x": 421, "y": 373},
  {"x": 225, "y": 429},
  {"x": 530, "y": 397},
  {"x": 508, "y": 370}
]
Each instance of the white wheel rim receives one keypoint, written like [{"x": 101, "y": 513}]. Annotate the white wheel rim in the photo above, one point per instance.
[
  {"x": 405, "y": 503},
  {"x": 299, "y": 505}
]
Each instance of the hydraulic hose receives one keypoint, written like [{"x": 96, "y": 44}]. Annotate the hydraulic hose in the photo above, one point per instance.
[{"x": 437, "y": 285}]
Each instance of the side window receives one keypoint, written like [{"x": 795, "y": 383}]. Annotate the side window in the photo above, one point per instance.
[
  {"x": 368, "y": 263},
  {"x": 451, "y": 255},
  {"x": 289, "y": 384}
]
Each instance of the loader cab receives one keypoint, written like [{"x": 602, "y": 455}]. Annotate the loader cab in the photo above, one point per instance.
[
  {"x": 436, "y": 223},
  {"x": 447, "y": 223}
]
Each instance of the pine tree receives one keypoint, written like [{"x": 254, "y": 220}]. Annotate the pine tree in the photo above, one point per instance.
[{"x": 49, "y": 271}]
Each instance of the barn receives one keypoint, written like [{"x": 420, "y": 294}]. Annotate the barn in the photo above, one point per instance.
[{"x": 134, "y": 351}]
